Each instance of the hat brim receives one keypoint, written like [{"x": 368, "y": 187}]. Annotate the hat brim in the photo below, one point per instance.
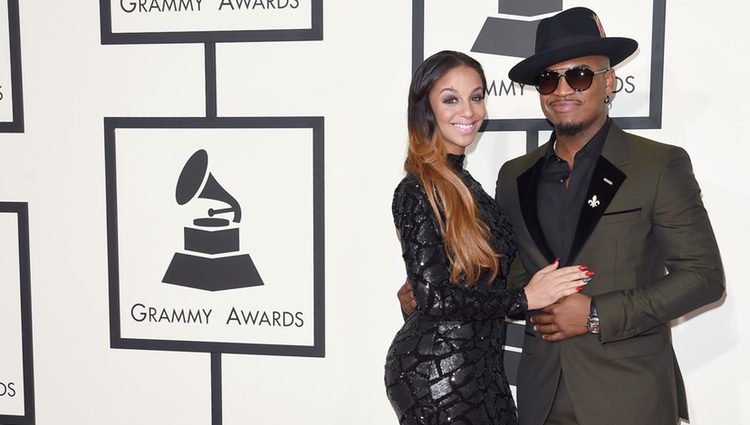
[{"x": 617, "y": 49}]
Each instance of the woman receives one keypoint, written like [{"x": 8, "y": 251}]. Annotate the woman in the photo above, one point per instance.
[{"x": 445, "y": 364}]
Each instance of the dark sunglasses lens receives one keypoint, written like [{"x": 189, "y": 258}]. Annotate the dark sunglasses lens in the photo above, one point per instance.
[
  {"x": 546, "y": 82},
  {"x": 579, "y": 79}
]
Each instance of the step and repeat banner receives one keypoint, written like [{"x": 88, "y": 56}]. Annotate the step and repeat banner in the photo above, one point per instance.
[
  {"x": 195, "y": 195},
  {"x": 16, "y": 361},
  {"x": 180, "y": 21},
  {"x": 195, "y": 260}
]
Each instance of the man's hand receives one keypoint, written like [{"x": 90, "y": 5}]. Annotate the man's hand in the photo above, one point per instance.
[
  {"x": 564, "y": 319},
  {"x": 406, "y": 298}
]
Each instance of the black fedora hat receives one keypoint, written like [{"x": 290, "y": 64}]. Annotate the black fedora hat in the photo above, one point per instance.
[{"x": 570, "y": 34}]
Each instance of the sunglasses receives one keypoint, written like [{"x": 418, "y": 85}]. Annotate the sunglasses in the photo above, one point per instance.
[{"x": 578, "y": 78}]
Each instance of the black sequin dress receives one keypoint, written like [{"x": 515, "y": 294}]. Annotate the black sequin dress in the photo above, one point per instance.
[{"x": 445, "y": 365}]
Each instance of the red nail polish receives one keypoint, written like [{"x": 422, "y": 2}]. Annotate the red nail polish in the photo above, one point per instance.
[
  {"x": 578, "y": 288},
  {"x": 589, "y": 274},
  {"x": 583, "y": 267},
  {"x": 557, "y": 260}
]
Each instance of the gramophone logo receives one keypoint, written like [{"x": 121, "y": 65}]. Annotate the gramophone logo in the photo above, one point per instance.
[
  {"x": 513, "y": 35},
  {"x": 212, "y": 260}
]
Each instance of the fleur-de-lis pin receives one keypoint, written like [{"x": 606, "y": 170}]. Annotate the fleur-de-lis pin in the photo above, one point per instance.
[{"x": 593, "y": 202}]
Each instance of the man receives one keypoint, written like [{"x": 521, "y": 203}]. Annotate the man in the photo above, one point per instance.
[{"x": 626, "y": 207}]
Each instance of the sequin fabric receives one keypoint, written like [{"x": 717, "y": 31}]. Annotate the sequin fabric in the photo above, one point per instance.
[{"x": 445, "y": 365}]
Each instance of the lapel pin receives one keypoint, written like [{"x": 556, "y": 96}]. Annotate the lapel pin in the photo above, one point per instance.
[
  {"x": 594, "y": 202},
  {"x": 608, "y": 181}
]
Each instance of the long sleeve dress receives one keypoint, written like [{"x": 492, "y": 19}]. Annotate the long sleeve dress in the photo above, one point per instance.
[{"x": 445, "y": 365}]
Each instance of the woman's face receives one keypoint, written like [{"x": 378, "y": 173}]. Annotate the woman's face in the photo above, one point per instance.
[{"x": 457, "y": 100}]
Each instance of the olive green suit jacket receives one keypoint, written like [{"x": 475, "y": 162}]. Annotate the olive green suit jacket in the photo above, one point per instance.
[{"x": 646, "y": 234}]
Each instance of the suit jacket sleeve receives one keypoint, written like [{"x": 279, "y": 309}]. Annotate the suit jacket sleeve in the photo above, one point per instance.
[
  {"x": 686, "y": 244},
  {"x": 518, "y": 277}
]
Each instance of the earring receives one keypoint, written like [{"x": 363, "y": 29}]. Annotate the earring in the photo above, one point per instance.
[{"x": 607, "y": 99}]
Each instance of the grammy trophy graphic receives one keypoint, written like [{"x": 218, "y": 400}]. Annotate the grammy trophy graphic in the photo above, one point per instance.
[
  {"x": 211, "y": 260},
  {"x": 512, "y": 34}
]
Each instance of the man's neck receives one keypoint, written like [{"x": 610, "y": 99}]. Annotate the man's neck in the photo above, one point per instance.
[{"x": 566, "y": 147}]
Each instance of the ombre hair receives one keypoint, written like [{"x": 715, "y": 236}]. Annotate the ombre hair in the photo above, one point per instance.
[{"x": 465, "y": 235}]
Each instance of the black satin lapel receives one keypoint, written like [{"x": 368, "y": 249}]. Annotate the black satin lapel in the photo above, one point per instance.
[
  {"x": 527, "y": 189},
  {"x": 605, "y": 182}
]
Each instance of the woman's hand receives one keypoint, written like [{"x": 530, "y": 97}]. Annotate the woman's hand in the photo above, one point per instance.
[{"x": 552, "y": 283}]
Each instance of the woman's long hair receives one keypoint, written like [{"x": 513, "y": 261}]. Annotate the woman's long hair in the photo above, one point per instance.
[{"x": 464, "y": 233}]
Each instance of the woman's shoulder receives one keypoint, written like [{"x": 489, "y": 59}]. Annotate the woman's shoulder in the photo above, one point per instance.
[
  {"x": 410, "y": 184},
  {"x": 409, "y": 196}
]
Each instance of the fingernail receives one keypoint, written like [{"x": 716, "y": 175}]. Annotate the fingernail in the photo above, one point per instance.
[
  {"x": 536, "y": 328},
  {"x": 589, "y": 274},
  {"x": 583, "y": 267},
  {"x": 557, "y": 260},
  {"x": 578, "y": 288}
]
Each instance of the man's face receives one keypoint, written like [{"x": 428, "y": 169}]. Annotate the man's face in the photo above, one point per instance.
[{"x": 573, "y": 112}]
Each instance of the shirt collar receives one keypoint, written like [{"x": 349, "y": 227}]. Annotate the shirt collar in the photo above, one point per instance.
[
  {"x": 456, "y": 162},
  {"x": 593, "y": 148}
]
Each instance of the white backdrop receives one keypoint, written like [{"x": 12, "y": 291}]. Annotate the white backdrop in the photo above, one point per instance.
[{"x": 357, "y": 79}]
